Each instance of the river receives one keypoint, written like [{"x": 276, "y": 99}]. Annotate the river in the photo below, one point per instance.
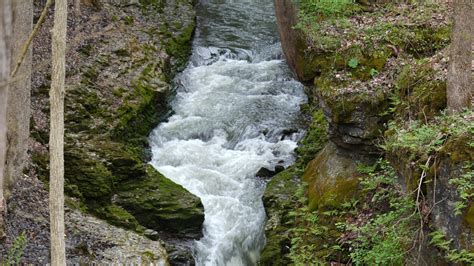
[{"x": 236, "y": 110}]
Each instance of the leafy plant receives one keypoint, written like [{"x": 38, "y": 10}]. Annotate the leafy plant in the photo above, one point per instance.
[
  {"x": 353, "y": 63},
  {"x": 374, "y": 72},
  {"x": 439, "y": 240},
  {"x": 465, "y": 187},
  {"x": 15, "y": 253},
  {"x": 419, "y": 138},
  {"x": 387, "y": 235}
]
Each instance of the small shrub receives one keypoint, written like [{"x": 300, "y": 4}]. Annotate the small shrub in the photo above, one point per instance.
[
  {"x": 15, "y": 253},
  {"x": 353, "y": 63},
  {"x": 464, "y": 257}
]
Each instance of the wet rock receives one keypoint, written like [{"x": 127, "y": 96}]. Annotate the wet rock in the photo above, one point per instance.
[
  {"x": 267, "y": 173},
  {"x": 279, "y": 199},
  {"x": 119, "y": 68}
]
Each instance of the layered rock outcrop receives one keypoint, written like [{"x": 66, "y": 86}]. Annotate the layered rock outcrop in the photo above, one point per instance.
[
  {"x": 121, "y": 58},
  {"x": 369, "y": 83}
]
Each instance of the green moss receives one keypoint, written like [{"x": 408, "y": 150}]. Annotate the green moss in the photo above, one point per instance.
[
  {"x": 315, "y": 138},
  {"x": 179, "y": 46},
  {"x": 280, "y": 195},
  {"x": 142, "y": 109},
  {"x": 420, "y": 41},
  {"x": 421, "y": 94},
  {"x": 160, "y": 204},
  {"x": 332, "y": 180},
  {"x": 118, "y": 216},
  {"x": 469, "y": 217},
  {"x": 92, "y": 177}
]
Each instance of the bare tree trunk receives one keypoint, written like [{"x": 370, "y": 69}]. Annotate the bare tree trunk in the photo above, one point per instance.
[
  {"x": 5, "y": 35},
  {"x": 19, "y": 94},
  {"x": 459, "y": 83},
  {"x": 56, "y": 139},
  {"x": 77, "y": 7}
]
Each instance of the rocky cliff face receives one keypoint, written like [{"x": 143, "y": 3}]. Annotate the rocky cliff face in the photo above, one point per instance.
[
  {"x": 293, "y": 41},
  {"x": 120, "y": 60},
  {"x": 371, "y": 81}
]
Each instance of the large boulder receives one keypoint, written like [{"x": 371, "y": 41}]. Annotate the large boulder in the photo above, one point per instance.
[
  {"x": 332, "y": 178},
  {"x": 159, "y": 204}
]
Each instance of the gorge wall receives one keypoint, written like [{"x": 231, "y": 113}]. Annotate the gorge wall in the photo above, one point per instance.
[
  {"x": 121, "y": 58},
  {"x": 370, "y": 81}
]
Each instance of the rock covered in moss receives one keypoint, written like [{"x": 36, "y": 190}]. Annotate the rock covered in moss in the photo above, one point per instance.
[
  {"x": 454, "y": 162},
  {"x": 332, "y": 179},
  {"x": 355, "y": 119},
  {"x": 158, "y": 203},
  {"x": 119, "y": 65},
  {"x": 437, "y": 157},
  {"x": 279, "y": 199}
]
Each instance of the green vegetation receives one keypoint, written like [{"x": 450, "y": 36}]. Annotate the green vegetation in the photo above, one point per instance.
[
  {"x": 280, "y": 196},
  {"x": 15, "y": 253},
  {"x": 465, "y": 187},
  {"x": 463, "y": 256},
  {"x": 376, "y": 228},
  {"x": 107, "y": 123},
  {"x": 315, "y": 138},
  {"x": 420, "y": 140},
  {"x": 387, "y": 236},
  {"x": 327, "y": 8},
  {"x": 379, "y": 73}
]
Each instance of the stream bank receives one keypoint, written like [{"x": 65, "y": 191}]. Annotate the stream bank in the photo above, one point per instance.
[
  {"x": 378, "y": 76},
  {"x": 121, "y": 58}
]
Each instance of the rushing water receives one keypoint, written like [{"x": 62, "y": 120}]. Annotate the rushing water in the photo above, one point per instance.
[{"x": 235, "y": 104}]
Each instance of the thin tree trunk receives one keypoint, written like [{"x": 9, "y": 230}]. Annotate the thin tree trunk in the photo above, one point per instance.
[
  {"x": 5, "y": 35},
  {"x": 459, "y": 82},
  {"x": 56, "y": 139},
  {"x": 77, "y": 7}
]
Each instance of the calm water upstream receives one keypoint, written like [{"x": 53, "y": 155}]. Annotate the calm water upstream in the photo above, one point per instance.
[{"x": 235, "y": 101}]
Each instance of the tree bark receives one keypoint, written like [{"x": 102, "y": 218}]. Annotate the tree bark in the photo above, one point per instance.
[
  {"x": 77, "y": 7},
  {"x": 19, "y": 93},
  {"x": 459, "y": 81},
  {"x": 5, "y": 36},
  {"x": 56, "y": 139}
]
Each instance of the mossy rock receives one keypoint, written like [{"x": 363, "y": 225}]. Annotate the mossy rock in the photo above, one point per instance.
[
  {"x": 116, "y": 215},
  {"x": 420, "y": 92},
  {"x": 356, "y": 119},
  {"x": 279, "y": 199},
  {"x": 158, "y": 203},
  {"x": 92, "y": 178},
  {"x": 420, "y": 41},
  {"x": 315, "y": 139},
  {"x": 332, "y": 179}
]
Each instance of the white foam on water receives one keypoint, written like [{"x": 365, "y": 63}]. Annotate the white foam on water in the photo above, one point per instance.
[{"x": 231, "y": 112}]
